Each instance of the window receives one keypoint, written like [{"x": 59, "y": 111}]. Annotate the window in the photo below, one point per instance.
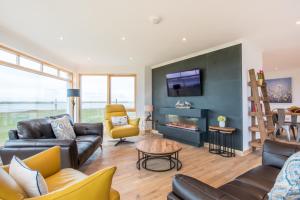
[
  {"x": 93, "y": 98},
  {"x": 50, "y": 70},
  {"x": 26, "y": 95},
  {"x": 8, "y": 57},
  {"x": 28, "y": 63},
  {"x": 65, "y": 75},
  {"x": 98, "y": 90},
  {"x": 122, "y": 90}
]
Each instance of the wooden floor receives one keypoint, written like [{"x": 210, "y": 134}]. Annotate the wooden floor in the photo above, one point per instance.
[{"x": 145, "y": 185}]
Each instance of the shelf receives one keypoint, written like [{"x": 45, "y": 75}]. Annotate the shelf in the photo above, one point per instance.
[
  {"x": 257, "y": 84},
  {"x": 255, "y": 114},
  {"x": 260, "y": 98},
  {"x": 193, "y": 112},
  {"x": 256, "y": 129},
  {"x": 256, "y": 143}
]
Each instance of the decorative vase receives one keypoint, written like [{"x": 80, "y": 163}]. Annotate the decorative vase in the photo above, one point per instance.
[{"x": 222, "y": 124}]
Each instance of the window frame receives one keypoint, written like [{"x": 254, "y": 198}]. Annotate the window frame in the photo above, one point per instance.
[
  {"x": 42, "y": 62},
  {"x": 109, "y": 76}
]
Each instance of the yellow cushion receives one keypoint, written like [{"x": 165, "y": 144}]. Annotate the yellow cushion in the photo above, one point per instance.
[
  {"x": 124, "y": 131},
  {"x": 9, "y": 189},
  {"x": 63, "y": 178}
]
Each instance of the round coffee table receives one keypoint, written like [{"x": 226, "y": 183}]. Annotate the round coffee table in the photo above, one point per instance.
[{"x": 156, "y": 148}]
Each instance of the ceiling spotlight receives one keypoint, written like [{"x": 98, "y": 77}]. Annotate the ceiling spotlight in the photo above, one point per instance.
[
  {"x": 89, "y": 59},
  {"x": 123, "y": 38},
  {"x": 155, "y": 19},
  {"x": 61, "y": 38},
  {"x": 298, "y": 22},
  {"x": 131, "y": 58},
  {"x": 183, "y": 39}
]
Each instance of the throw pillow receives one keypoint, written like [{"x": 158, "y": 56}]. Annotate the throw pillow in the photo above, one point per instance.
[
  {"x": 32, "y": 182},
  {"x": 119, "y": 120},
  {"x": 62, "y": 129},
  {"x": 287, "y": 185},
  {"x": 10, "y": 190}
]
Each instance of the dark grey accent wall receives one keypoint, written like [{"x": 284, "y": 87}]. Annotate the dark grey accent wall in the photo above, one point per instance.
[{"x": 221, "y": 92}]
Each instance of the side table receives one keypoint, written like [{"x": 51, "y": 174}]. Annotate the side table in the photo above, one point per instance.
[{"x": 221, "y": 141}]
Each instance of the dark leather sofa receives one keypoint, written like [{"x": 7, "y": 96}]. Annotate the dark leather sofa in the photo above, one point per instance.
[
  {"x": 254, "y": 184},
  {"x": 34, "y": 136}
]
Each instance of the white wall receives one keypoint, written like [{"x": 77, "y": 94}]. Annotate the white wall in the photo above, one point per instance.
[
  {"x": 252, "y": 58},
  {"x": 294, "y": 73}
]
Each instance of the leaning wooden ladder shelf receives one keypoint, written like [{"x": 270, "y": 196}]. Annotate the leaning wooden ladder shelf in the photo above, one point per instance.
[{"x": 261, "y": 115}]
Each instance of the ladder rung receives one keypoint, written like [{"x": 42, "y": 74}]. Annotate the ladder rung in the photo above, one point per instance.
[
  {"x": 260, "y": 98},
  {"x": 256, "y": 129},
  {"x": 256, "y": 143},
  {"x": 255, "y": 114},
  {"x": 257, "y": 84}
]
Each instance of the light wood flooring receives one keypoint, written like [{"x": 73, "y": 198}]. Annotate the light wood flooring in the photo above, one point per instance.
[{"x": 145, "y": 185}]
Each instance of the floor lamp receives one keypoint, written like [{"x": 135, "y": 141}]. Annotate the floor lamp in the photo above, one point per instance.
[{"x": 73, "y": 93}]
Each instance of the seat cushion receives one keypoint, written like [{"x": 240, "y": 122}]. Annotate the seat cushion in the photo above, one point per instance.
[
  {"x": 243, "y": 191},
  {"x": 124, "y": 131},
  {"x": 262, "y": 177},
  {"x": 63, "y": 178}
]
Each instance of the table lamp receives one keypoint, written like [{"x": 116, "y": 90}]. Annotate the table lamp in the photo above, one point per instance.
[
  {"x": 73, "y": 93},
  {"x": 149, "y": 109}
]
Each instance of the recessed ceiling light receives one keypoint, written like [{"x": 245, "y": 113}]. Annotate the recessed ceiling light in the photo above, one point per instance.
[
  {"x": 89, "y": 59},
  {"x": 61, "y": 38},
  {"x": 183, "y": 39},
  {"x": 298, "y": 22},
  {"x": 123, "y": 38},
  {"x": 131, "y": 58}
]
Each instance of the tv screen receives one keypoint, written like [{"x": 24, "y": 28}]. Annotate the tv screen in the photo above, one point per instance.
[{"x": 185, "y": 83}]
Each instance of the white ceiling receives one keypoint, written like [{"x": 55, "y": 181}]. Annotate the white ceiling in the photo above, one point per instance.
[{"x": 93, "y": 28}]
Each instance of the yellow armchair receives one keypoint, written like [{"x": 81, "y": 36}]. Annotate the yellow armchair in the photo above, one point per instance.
[
  {"x": 69, "y": 184},
  {"x": 120, "y": 132}
]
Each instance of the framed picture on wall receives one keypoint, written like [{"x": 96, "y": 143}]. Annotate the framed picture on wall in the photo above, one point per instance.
[{"x": 280, "y": 90}]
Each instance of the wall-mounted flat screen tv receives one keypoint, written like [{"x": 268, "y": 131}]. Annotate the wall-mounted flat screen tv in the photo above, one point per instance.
[{"x": 185, "y": 83}]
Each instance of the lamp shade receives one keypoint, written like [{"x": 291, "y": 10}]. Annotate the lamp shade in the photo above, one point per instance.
[
  {"x": 148, "y": 108},
  {"x": 73, "y": 93}
]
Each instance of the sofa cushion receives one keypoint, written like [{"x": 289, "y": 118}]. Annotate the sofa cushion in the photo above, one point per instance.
[
  {"x": 31, "y": 181},
  {"x": 10, "y": 190},
  {"x": 35, "y": 129},
  {"x": 243, "y": 191},
  {"x": 287, "y": 185},
  {"x": 63, "y": 178},
  {"x": 63, "y": 129},
  {"x": 262, "y": 177}
]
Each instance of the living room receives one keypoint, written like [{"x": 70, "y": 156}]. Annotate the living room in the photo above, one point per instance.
[{"x": 149, "y": 100}]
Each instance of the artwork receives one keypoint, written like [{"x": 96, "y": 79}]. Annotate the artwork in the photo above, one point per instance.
[{"x": 280, "y": 90}]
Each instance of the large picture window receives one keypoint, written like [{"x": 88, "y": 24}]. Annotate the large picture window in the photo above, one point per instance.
[
  {"x": 98, "y": 90},
  {"x": 29, "y": 88},
  {"x": 26, "y": 96},
  {"x": 93, "y": 98}
]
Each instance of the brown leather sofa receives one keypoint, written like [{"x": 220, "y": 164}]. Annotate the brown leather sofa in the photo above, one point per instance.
[
  {"x": 34, "y": 136},
  {"x": 254, "y": 184}
]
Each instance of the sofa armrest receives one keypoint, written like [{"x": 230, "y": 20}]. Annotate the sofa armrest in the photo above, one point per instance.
[
  {"x": 13, "y": 135},
  {"x": 134, "y": 122},
  {"x": 188, "y": 188},
  {"x": 24, "y": 148},
  {"x": 88, "y": 129},
  {"x": 276, "y": 153}
]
